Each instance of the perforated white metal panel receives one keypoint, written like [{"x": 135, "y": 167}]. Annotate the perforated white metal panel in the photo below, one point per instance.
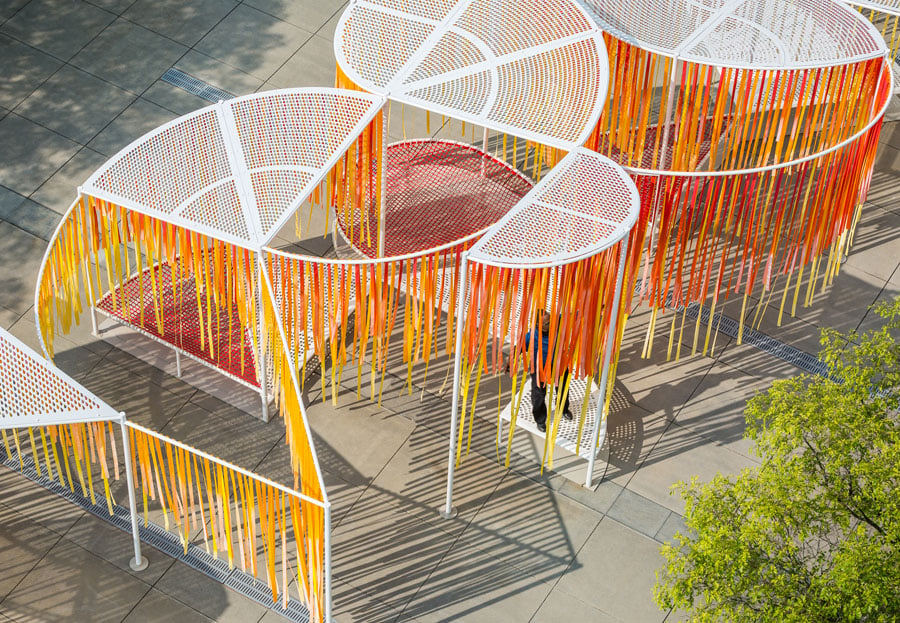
[
  {"x": 534, "y": 68},
  {"x": 586, "y": 204},
  {"x": 31, "y": 386},
  {"x": 237, "y": 170},
  {"x": 762, "y": 34},
  {"x": 891, "y": 7}
]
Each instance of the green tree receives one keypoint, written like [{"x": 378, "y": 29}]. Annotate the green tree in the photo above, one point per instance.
[{"x": 813, "y": 534}]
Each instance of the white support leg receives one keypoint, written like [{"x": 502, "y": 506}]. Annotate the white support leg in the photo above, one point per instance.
[
  {"x": 604, "y": 375},
  {"x": 138, "y": 563},
  {"x": 327, "y": 580},
  {"x": 382, "y": 201},
  {"x": 448, "y": 512},
  {"x": 177, "y": 364},
  {"x": 94, "y": 330}
]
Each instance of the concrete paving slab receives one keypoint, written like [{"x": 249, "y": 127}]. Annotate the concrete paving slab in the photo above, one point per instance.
[
  {"x": 113, "y": 6},
  {"x": 417, "y": 476},
  {"x": 631, "y": 435},
  {"x": 842, "y": 304},
  {"x": 351, "y": 605},
  {"x": 228, "y": 434},
  {"x": 311, "y": 65},
  {"x": 173, "y": 98},
  {"x": 253, "y": 41},
  {"x": 889, "y": 294},
  {"x": 24, "y": 69},
  {"x": 530, "y": 527},
  {"x": 472, "y": 585},
  {"x": 24, "y": 543},
  {"x": 75, "y": 104},
  {"x": 385, "y": 552},
  {"x": 208, "y": 597},
  {"x": 883, "y": 189},
  {"x": 140, "y": 117},
  {"x": 61, "y": 188},
  {"x": 309, "y": 15},
  {"x": 145, "y": 402},
  {"x": 156, "y": 607},
  {"x": 31, "y": 153},
  {"x": 59, "y": 27},
  {"x": 115, "y": 547},
  {"x": 17, "y": 286},
  {"x": 680, "y": 454},
  {"x": 658, "y": 384},
  {"x": 716, "y": 410},
  {"x": 356, "y": 441},
  {"x": 875, "y": 243},
  {"x": 561, "y": 607},
  {"x": 328, "y": 28},
  {"x": 8, "y": 318},
  {"x": 21, "y": 494},
  {"x": 639, "y": 513},
  {"x": 32, "y": 217},
  {"x": 142, "y": 368},
  {"x": 615, "y": 572},
  {"x": 673, "y": 523},
  {"x": 218, "y": 73},
  {"x": 54, "y": 591},
  {"x": 186, "y": 23},
  {"x": 158, "y": 361},
  {"x": 128, "y": 56},
  {"x": 8, "y": 9}
]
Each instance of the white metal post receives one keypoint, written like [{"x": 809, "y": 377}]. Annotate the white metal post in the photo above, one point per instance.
[
  {"x": 138, "y": 563},
  {"x": 328, "y": 562},
  {"x": 261, "y": 349},
  {"x": 177, "y": 363},
  {"x": 484, "y": 139},
  {"x": 448, "y": 512},
  {"x": 94, "y": 330},
  {"x": 607, "y": 356},
  {"x": 382, "y": 200}
]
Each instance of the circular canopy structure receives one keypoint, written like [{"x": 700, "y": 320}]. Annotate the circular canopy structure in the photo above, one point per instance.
[
  {"x": 751, "y": 34},
  {"x": 514, "y": 67},
  {"x": 438, "y": 193},
  {"x": 237, "y": 170}
]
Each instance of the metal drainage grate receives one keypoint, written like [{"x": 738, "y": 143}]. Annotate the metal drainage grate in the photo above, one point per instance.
[
  {"x": 729, "y": 326},
  {"x": 166, "y": 542},
  {"x": 195, "y": 86}
]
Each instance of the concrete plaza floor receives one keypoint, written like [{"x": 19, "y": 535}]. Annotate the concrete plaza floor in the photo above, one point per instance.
[{"x": 78, "y": 81}]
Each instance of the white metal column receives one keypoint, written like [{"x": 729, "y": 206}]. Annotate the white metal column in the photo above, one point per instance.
[
  {"x": 607, "y": 356},
  {"x": 448, "y": 512},
  {"x": 138, "y": 563}
]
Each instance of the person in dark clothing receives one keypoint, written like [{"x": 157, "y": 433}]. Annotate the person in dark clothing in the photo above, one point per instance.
[{"x": 538, "y": 389}]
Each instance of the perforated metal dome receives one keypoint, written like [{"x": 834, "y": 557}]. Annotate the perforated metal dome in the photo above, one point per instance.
[
  {"x": 758, "y": 34},
  {"x": 533, "y": 68},
  {"x": 586, "y": 204},
  {"x": 238, "y": 169}
]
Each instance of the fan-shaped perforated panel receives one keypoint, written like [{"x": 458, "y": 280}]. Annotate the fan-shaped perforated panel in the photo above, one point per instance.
[
  {"x": 236, "y": 170},
  {"x": 534, "y": 68},
  {"x": 885, "y": 6},
  {"x": 31, "y": 386},
  {"x": 584, "y": 205},
  {"x": 763, "y": 34}
]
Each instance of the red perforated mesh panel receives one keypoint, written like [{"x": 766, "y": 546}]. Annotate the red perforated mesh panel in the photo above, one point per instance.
[
  {"x": 439, "y": 192},
  {"x": 181, "y": 326}
]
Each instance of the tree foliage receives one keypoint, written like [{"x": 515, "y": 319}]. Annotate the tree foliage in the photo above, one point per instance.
[{"x": 813, "y": 534}]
